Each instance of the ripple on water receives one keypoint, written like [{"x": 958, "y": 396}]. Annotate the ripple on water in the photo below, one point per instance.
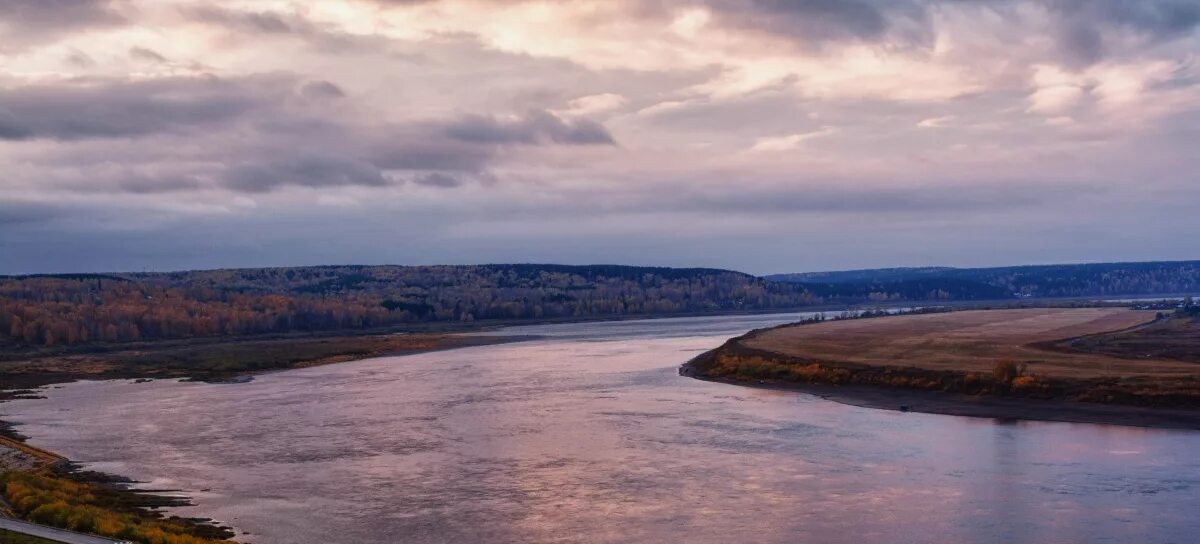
[{"x": 591, "y": 436}]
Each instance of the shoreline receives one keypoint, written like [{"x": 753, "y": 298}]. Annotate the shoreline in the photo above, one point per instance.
[
  {"x": 979, "y": 406},
  {"x": 38, "y": 380},
  {"x": 809, "y": 363},
  {"x": 231, "y": 360}
]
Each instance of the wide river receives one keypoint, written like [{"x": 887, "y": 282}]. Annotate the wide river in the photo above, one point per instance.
[{"x": 589, "y": 435}]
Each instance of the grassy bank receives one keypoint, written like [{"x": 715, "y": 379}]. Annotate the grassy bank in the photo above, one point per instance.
[
  {"x": 64, "y": 501},
  {"x": 220, "y": 361},
  {"x": 736, "y": 363},
  {"x": 971, "y": 356}
]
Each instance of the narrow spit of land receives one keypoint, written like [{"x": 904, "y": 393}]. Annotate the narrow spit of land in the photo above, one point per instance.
[{"x": 1101, "y": 365}]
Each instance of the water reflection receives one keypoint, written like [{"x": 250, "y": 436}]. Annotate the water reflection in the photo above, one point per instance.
[{"x": 590, "y": 436}]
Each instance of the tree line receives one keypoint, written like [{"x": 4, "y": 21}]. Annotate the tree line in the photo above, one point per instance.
[
  {"x": 1066, "y": 280},
  {"x": 74, "y": 309}
]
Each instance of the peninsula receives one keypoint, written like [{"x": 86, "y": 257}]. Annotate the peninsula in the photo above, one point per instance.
[{"x": 1102, "y": 364}]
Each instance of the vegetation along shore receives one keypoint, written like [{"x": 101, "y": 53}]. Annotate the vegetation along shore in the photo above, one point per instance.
[{"x": 1104, "y": 364}]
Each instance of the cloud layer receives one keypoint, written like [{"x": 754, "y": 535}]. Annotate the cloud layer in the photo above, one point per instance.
[{"x": 764, "y": 135}]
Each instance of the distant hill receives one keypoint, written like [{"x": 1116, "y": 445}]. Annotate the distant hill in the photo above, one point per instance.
[
  {"x": 1064, "y": 280},
  {"x": 862, "y": 276},
  {"x": 70, "y": 309},
  {"x": 908, "y": 289},
  {"x": 84, "y": 308}
]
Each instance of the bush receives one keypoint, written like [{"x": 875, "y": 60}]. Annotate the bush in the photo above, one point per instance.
[
  {"x": 72, "y": 505},
  {"x": 1028, "y": 383},
  {"x": 1006, "y": 371}
]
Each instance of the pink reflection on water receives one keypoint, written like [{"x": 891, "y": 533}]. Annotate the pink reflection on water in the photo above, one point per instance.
[{"x": 592, "y": 437}]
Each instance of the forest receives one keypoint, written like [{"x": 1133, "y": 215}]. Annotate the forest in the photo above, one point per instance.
[
  {"x": 1035, "y": 281},
  {"x": 83, "y": 308},
  {"x": 74, "y": 309}
]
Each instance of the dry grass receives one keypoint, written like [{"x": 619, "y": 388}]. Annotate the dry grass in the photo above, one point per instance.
[{"x": 973, "y": 341}]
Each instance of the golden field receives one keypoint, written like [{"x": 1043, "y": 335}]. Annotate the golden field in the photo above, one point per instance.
[{"x": 973, "y": 341}]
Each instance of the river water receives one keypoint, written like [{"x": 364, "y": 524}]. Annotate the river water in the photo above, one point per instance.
[{"x": 589, "y": 435}]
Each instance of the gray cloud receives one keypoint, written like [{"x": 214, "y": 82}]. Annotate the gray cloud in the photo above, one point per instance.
[
  {"x": 537, "y": 126},
  {"x": 136, "y": 171},
  {"x": 13, "y": 213},
  {"x": 1084, "y": 30},
  {"x": 304, "y": 171},
  {"x": 815, "y": 21},
  {"x": 321, "y": 90},
  {"x": 119, "y": 109},
  {"x": 438, "y": 179},
  {"x": 80, "y": 59},
  {"x": 1082, "y": 42},
  {"x": 146, "y": 55},
  {"x": 27, "y": 22},
  {"x": 1086, "y": 25},
  {"x": 261, "y": 22},
  {"x": 154, "y": 185},
  {"x": 131, "y": 181},
  {"x": 254, "y": 135},
  {"x": 828, "y": 198},
  {"x": 410, "y": 151},
  {"x": 1158, "y": 18}
]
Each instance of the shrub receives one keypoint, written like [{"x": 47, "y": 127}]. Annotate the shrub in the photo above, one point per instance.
[
  {"x": 72, "y": 505},
  {"x": 1026, "y": 382},
  {"x": 1006, "y": 371}
]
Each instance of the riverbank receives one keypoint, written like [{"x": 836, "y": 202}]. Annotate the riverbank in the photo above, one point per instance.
[
  {"x": 219, "y": 361},
  {"x": 1001, "y": 408},
  {"x": 46, "y": 488},
  {"x": 971, "y": 363}
]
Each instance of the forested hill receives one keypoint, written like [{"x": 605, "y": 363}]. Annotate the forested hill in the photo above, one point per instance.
[
  {"x": 71, "y": 309},
  {"x": 83, "y": 308},
  {"x": 1065, "y": 280}
]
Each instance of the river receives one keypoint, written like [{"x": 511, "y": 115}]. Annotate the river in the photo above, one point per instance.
[{"x": 589, "y": 435}]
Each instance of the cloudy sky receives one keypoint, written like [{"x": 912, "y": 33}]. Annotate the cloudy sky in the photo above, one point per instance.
[{"x": 760, "y": 135}]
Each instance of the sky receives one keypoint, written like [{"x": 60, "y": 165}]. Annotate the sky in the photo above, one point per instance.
[{"x": 758, "y": 135}]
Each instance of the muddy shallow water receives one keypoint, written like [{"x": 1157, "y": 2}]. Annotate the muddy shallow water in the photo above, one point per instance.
[{"x": 589, "y": 435}]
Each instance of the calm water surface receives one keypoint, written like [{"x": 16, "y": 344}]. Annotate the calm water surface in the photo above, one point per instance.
[{"x": 591, "y": 436}]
